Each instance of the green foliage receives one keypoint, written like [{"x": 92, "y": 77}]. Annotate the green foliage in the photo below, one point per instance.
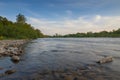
[
  {"x": 18, "y": 30},
  {"x": 1, "y": 37},
  {"x": 20, "y": 19},
  {"x": 114, "y": 33}
]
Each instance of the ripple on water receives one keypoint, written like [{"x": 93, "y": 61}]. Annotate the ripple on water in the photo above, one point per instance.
[{"x": 61, "y": 54}]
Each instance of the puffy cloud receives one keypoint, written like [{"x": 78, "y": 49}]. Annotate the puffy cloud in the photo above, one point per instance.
[{"x": 81, "y": 24}]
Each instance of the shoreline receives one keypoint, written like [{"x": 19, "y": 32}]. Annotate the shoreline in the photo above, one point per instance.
[
  {"x": 89, "y": 71},
  {"x": 11, "y": 48}
]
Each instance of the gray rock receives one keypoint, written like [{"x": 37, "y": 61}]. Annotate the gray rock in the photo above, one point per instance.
[
  {"x": 14, "y": 47},
  {"x": 15, "y": 58},
  {"x": 10, "y": 71},
  {"x": 106, "y": 60},
  {"x": 69, "y": 77}
]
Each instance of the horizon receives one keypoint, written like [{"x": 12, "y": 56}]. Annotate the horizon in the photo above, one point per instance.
[{"x": 65, "y": 16}]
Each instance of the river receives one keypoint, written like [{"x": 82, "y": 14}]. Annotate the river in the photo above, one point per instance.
[{"x": 63, "y": 53}]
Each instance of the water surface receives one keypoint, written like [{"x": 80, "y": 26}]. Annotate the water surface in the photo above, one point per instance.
[{"x": 61, "y": 53}]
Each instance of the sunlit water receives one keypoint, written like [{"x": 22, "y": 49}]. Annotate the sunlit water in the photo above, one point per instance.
[{"x": 61, "y": 53}]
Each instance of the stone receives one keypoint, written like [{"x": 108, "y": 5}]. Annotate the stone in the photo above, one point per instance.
[
  {"x": 15, "y": 58},
  {"x": 69, "y": 77},
  {"x": 106, "y": 60},
  {"x": 11, "y": 47},
  {"x": 20, "y": 51},
  {"x": 0, "y": 55},
  {"x": 80, "y": 78},
  {"x": 10, "y": 71},
  {"x": 2, "y": 50},
  {"x": 5, "y": 54}
]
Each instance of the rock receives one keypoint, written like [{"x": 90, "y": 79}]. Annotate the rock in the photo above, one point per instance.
[
  {"x": 0, "y": 55},
  {"x": 69, "y": 77},
  {"x": 81, "y": 78},
  {"x": 15, "y": 58},
  {"x": 2, "y": 50},
  {"x": 10, "y": 71},
  {"x": 1, "y": 68},
  {"x": 5, "y": 54},
  {"x": 11, "y": 47},
  {"x": 106, "y": 60},
  {"x": 20, "y": 51},
  {"x": 99, "y": 78}
]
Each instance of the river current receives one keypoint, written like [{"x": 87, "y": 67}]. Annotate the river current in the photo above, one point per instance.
[{"x": 61, "y": 53}]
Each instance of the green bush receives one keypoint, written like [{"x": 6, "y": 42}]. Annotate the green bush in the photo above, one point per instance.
[
  {"x": 18, "y": 30},
  {"x": 1, "y": 37}
]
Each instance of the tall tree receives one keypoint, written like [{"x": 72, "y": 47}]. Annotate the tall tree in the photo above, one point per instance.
[{"x": 20, "y": 19}]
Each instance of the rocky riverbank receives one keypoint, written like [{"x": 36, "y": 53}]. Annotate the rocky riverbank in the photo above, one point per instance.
[
  {"x": 61, "y": 61},
  {"x": 12, "y": 48},
  {"x": 88, "y": 72}
]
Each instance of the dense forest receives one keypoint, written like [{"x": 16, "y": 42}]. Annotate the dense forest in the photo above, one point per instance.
[
  {"x": 18, "y": 30},
  {"x": 114, "y": 33}
]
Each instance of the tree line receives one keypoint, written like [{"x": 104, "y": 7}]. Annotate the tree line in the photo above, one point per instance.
[
  {"x": 18, "y": 30},
  {"x": 114, "y": 33}
]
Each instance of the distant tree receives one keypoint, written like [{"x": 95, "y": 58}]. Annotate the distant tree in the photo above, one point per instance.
[
  {"x": 1, "y": 18},
  {"x": 18, "y": 30},
  {"x": 114, "y": 33},
  {"x": 20, "y": 19},
  {"x": 4, "y": 21}
]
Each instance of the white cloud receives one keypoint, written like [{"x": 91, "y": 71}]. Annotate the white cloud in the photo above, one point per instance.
[
  {"x": 97, "y": 18},
  {"x": 82, "y": 24}
]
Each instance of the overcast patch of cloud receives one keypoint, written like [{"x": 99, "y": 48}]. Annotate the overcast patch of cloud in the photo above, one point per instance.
[{"x": 82, "y": 24}]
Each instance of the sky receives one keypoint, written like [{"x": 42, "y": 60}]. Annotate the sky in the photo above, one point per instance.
[{"x": 65, "y": 16}]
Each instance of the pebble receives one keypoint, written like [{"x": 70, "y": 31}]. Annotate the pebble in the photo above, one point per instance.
[
  {"x": 105, "y": 60},
  {"x": 15, "y": 58},
  {"x": 10, "y": 72},
  {"x": 11, "y": 47}
]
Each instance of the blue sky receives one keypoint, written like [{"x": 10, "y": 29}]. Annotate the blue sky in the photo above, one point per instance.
[{"x": 65, "y": 16}]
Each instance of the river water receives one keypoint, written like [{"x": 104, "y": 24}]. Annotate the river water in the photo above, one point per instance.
[{"x": 61, "y": 53}]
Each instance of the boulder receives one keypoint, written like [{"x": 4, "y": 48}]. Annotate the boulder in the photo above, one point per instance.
[
  {"x": 106, "y": 60},
  {"x": 2, "y": 50},
  {"x": 15, "y": 58},
  {"x": 10, "y": 71}
]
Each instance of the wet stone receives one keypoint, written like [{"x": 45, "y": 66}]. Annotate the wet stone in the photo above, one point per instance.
[
  {"x": 15, "y": 58},
  {"x": 10, "y": 72},
  {"x": 68, "y": 77}
]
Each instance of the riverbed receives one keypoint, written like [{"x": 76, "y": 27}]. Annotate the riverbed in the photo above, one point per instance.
[{"x": 44, "y": 56}]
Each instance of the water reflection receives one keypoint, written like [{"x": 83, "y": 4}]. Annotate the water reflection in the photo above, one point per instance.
[{"x": 61, "y": 53}]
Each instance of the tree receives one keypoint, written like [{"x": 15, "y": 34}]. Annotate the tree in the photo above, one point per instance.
[
  {"x": 18, "y": 30},
  {"x": 4, "y": 21},
  {"x": 20, "y": 19}
]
